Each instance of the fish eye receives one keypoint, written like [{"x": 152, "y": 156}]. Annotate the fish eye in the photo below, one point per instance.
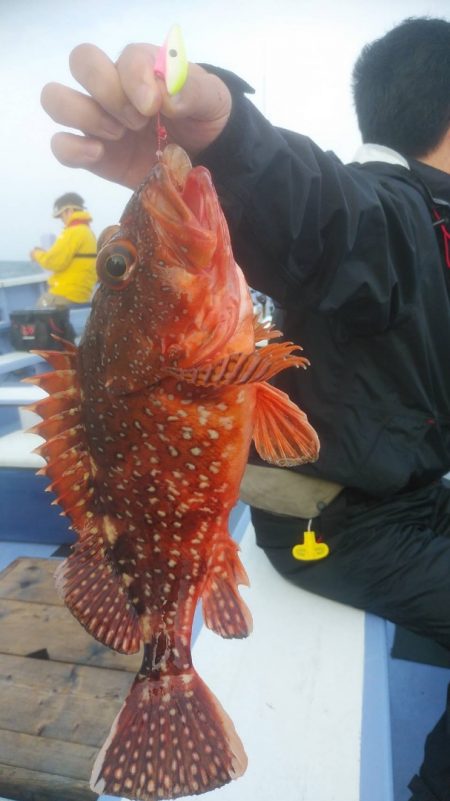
[{"x": 115, "y": 263}]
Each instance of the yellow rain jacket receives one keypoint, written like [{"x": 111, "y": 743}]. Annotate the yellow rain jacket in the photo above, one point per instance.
[{"x": 71, "y": 260}]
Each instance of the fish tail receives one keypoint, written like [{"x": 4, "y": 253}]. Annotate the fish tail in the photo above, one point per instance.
[{"x": 171, "y": 738}]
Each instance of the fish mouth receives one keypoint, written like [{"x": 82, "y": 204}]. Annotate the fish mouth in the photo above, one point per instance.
[
  {"x": 182, "y": 205},
  {"x": 191, "y": 230}
]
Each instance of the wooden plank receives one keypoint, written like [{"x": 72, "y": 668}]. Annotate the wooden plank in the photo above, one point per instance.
[
  {"x": 59, "y": 710},
  {"x": 61, "y": 677},
  {"x": 29, "y": 627},
  {"x": 32, "y": 580},
  {"x": 21, "y": 784},
  {"x": 61, "y": 718},
  {"x": 55, "y": 713},
  {"x": 33, "y": 617},
  {"x": 46, "y": 755}
]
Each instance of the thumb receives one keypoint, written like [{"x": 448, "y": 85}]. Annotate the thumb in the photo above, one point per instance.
[{"x": 204, "y": 97}]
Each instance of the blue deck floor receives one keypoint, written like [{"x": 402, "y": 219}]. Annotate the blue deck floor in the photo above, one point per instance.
[{"x": 417, "y": 700}]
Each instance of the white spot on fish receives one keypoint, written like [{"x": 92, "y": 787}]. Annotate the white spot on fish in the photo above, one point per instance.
[
  {"x": 203, "y": 415},
  {"x": 110, "y": 530}
]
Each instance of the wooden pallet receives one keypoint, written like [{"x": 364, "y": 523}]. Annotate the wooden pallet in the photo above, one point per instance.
[{"x": 59, "y": 689}]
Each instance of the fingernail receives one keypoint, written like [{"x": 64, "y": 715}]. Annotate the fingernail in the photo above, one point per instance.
[
  {"x": 92, "y": 151},
  {"x": 133, "y": 118},
  {"x": 143, "y": 98}
]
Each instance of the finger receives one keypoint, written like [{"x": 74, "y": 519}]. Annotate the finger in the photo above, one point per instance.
[
  {"x": 147, "y": 92},
  {"x": 135, "y": 67},
  {"x": 125, "y": 161},
  {"x": 75, "y": 110},
  {"x": 204, "y": 97},
  {"x": 77, "y": 151},
  {"x": 93, "y": 70}
]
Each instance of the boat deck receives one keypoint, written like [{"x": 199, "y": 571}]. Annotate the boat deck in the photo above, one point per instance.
[
  {"x": 324, "y": 711},
  {"x": 294, "y": 688}
]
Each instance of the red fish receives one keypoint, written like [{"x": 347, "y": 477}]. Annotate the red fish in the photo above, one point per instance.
[{"x": 147, "y": 425}]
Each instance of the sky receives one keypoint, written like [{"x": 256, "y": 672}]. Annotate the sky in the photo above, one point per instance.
[{"x": 297, "y": 54}]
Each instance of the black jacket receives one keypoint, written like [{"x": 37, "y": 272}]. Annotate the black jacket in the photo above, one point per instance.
[{"x": 354, "y": 263}]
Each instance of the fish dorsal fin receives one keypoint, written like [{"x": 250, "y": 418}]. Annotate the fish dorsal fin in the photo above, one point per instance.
[
  {"x": 282, "y": 433},
  {"x": 59, "y": 359},
  {"x": 65, "y": 450}
]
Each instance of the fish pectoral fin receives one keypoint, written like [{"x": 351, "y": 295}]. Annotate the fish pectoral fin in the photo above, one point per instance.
[
  {"x": 224, "y": 610},
  {"x": 242, "y": 368},
  {"x": 95, "y": 595},
  {"x": 282, "y": 433},
  {"x": 264, "y": 330},
  {"x": 138, "y": 761}
]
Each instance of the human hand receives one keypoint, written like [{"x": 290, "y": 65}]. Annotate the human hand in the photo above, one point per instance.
[
  {"x": 117, "y": 117},
  {"x": 33, "y": 253}
]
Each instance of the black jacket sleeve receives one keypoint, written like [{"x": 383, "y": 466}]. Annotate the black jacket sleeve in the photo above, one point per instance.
[{"x": 300, "y": 219}]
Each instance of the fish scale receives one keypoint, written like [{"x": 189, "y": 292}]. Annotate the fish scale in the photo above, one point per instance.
[{"x": 148, "y": 425}]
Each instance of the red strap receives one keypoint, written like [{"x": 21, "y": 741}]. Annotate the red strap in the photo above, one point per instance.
[
  {"x": 76, "y": 222},
  {"x": 445, "y": 235}
]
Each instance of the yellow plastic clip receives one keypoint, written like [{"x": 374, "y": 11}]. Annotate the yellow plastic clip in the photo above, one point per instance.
[
  {"x": 171, "y": 62},
  {"x": 310, "y": 550}
]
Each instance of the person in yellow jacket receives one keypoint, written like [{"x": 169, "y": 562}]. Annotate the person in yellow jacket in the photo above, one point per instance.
[{"x": 71, "y": 258}]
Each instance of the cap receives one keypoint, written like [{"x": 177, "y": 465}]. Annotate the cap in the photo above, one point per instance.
[{"x": 68, "y": 201}]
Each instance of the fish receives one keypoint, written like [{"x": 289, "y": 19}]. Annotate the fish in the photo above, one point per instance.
[{"x": 147, "y": 426}]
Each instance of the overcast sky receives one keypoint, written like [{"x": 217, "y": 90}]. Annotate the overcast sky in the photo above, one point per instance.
[{"x": 298, "y": 55}]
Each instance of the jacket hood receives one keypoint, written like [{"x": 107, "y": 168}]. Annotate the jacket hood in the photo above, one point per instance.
[{"x": 80, "y": 217}]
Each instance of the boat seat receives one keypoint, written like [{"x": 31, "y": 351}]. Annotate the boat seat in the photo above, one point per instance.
[
  {"x": 27, "y": 514},
  {"x": 18, "y": 360},
  {"x": 12, "y": 398}
]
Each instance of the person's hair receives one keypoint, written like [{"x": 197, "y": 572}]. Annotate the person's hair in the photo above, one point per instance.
[
  {"x": 401, "y": 87},
  {"x": 71, "y": 200}
]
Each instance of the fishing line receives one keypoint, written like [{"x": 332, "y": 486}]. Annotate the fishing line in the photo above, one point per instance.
[{"x": 161, "y": 136}]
